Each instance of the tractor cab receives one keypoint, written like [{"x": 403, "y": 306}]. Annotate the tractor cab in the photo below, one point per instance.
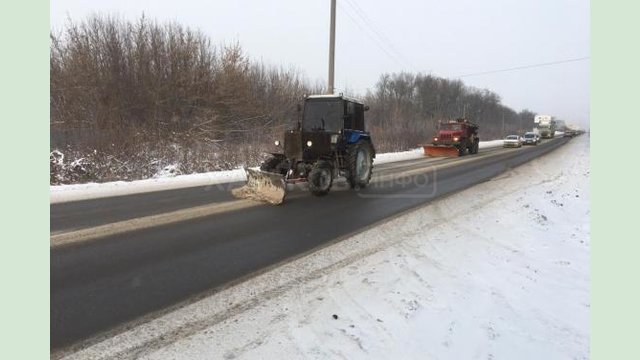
[
  {"x": 332, "y": 113},
  {"x": 327, "y": 124}
]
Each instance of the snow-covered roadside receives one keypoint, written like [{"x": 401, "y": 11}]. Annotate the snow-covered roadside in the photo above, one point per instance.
[
  {"x": 498, "y": 271},
  {"x": 491, "y": 144},
  {"x": 76, "y": 192},
  {"x": 505, "y": 277}
]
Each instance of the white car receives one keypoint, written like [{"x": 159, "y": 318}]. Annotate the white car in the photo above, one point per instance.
[
  {"x": 512, "y": 141},
  {"x": 531, "y": 138}
]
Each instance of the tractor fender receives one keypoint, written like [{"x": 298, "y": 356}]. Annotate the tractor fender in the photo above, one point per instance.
[{"x": 353, "y": 136}]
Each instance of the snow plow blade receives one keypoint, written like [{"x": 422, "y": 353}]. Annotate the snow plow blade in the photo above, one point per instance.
[
  {"x": 440, "y": 151},
  {"x": 262, "y": 186}
]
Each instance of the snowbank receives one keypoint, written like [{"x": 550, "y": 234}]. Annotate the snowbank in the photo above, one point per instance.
[
  {"x": 75, "y": 192},
  {"x": 491, "y": 144},
  {"x": 167, "y": 180},
  {"x": 498, "y": 271},
  {"x": 398, "y": 156}
]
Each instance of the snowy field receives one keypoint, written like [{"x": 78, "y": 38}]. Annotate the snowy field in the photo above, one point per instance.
[
  {"x": 498, "y": 271},
  {"x": 76, "y": 192}
]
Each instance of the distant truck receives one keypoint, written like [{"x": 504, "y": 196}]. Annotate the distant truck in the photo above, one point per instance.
[
  {"x": 571, "y": 131},
  {"x": 546, "y": 126},
  {"x": 560, "y": 125},
  {"x": 455, "y": 138}
]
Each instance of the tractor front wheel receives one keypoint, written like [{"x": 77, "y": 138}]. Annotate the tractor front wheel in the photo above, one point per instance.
[
  {"x": 359, "y": 164},
  {"x": 320, "y": 178}
]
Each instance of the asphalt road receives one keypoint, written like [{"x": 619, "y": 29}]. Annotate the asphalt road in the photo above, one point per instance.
[
  {"x": 101, "y": 284},
  {"x": 78, "y": 215}
]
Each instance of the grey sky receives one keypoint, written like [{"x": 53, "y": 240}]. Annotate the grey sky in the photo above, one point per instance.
[{"x": 445, "y": 38}]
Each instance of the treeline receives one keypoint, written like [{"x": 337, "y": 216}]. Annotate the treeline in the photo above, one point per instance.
[
  {"x": 130, "y": 98},
  {"x": 406, "y": 109}
]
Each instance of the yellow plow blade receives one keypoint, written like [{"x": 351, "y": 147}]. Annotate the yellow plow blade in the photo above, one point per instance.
[
  {"x": 440, "y": 151},
  {"x": 262, "y": 186}
]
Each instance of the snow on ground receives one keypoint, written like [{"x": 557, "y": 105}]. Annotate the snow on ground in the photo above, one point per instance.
[
  {"x": 498, "y": 271},
  {"x": 168, "y": 179},
  {"x": 503, "y": 275},
  {"x": 75, "y": 192},
  {"x": 168, "y": 171},
  {"x": 490, "y": 144},
  {"x": 385, "y": 158}
]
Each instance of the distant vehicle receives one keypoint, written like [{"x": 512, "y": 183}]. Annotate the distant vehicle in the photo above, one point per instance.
[
  {"x": 531, "y": 138},
  {"x": 546, "y": 125},
  {"x": 561, "y": 125},
  {"x": 571, "y": 131},
  {"x": 455, "y": 138},
  {"x": 512, "y": 141}
]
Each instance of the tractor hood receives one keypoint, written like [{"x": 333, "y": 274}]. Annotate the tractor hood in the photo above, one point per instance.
[{"x": 308, "y": 145}]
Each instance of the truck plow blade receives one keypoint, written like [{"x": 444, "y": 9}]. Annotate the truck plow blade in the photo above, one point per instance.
[
  {"x": 262, "y": 186},
  {"x": 440, "y": 151}
]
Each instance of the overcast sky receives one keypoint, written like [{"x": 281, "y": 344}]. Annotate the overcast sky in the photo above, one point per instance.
[{"x": 445, "y": 38}]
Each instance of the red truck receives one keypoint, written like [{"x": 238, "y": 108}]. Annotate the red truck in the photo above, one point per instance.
[{"x": 455, "y": 138}]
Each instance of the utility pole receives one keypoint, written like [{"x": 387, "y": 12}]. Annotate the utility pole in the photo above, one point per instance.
[{"x": 332, "y": 47}]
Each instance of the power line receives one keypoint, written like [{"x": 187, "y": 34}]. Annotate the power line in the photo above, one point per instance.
[
  {"x": 375, "y": 41},
  {"x": 523, "y": 67},
  {"x": 375, "y": 29}
]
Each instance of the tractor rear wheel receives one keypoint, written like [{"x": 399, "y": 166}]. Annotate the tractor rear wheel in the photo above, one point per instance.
[
  {"x": 320, "y": 178},
  {"x": 359, "y": 163}
]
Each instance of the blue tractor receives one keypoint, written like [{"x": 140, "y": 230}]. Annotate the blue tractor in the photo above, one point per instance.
[{"x": 329, "y": 141}]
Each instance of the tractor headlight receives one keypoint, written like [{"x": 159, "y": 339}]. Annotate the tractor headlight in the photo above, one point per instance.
[
  {"x": 277, "y": 142},
  {"x": 435, "y": 139},
  {"x": 334, "y": 139},
  {"x": 456, "y": 138},
  {"x": 309, "y": 143}
]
